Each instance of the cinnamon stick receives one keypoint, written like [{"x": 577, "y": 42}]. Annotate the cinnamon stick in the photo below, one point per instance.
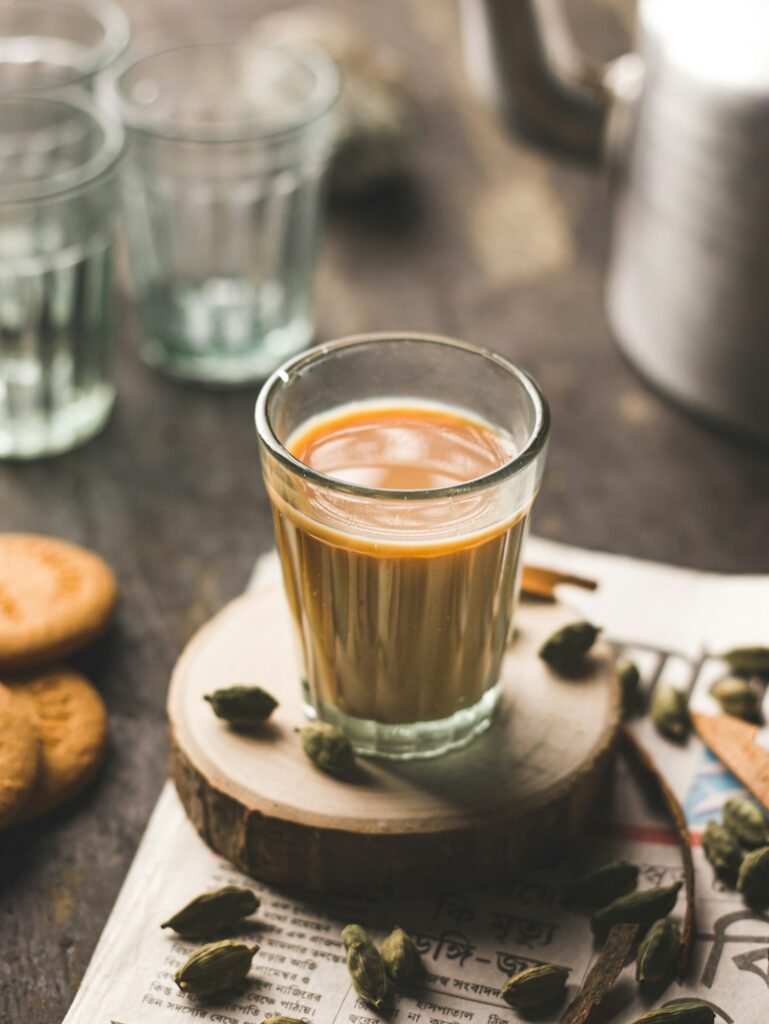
[
  {"x": 653, "y": 781},
  {"x": 603, "y": 973}
]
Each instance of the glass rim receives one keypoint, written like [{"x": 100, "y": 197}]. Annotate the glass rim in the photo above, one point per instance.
[
  {"x": 117, "y": 34},
  {"x": 321, "y": 100},
  {"x": 77, "y": 178},
  {"x": 534, "y": 446}
]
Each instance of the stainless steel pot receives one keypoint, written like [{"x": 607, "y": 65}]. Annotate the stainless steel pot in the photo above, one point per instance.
[{"x": 683, "y": 123}]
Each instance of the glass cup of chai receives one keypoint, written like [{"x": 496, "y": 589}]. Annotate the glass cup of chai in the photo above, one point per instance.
[{"x": 401, "y": 469}]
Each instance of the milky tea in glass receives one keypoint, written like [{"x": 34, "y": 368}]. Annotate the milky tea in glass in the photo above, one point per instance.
[{"x": 401, "y": 471}]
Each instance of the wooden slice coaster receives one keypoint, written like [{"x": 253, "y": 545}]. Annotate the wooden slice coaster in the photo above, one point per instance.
[{"x": 524, "y": 788}]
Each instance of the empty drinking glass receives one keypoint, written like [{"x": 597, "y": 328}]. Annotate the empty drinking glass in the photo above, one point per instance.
[
  {"x": 49, "y": 43},
  {"x": 58, "y": 196},
  {"x": 228, "y": 145}
]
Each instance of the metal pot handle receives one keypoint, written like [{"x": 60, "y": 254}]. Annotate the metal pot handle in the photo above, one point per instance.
[{"x": 521, "y": 56}]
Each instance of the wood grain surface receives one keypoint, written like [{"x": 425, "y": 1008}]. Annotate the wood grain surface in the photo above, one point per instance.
[
  {"x": 525, "y": 786},
  {"x": 500, "y": 244}
]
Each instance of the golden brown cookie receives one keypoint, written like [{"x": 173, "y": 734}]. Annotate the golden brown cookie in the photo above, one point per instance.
[
  {"x": 54, "y": 598},
  {"x": 71, "y": 721},
  {"x": 19, "y": 757}
]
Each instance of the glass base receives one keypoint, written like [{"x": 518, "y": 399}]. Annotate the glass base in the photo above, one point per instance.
[
  {"x": 224, "y": 332},
  {"x": 412, "y": 740},
  {"x": 36, "y": 434}
]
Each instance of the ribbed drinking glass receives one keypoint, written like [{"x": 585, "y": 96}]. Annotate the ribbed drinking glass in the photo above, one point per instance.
[
  {"x": 402, "y": 595},
  {"x": 46, "y": 44},
  {"x": 58, "y": 199},
  {"x": 228, "y": 146}
]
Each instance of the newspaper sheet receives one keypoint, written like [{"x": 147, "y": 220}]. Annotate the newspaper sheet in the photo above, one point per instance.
[{"x": 470, "y": 940}]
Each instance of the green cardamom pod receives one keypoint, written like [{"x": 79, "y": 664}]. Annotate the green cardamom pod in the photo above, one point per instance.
[
  {"x": 722, "y": 850},
  {"x": 642, "y": 907},
  {"x": 670, "y": 713},
  {"x": 213, "y": 911},
  {"x": 536, "y": 989},
  {"x": 753, "y": 878},
  {"x": 746, "y": 822},
  {"x": 242, "y": 707},
  {"x": 684, "y": 1011},
  {"x": 658, "y": 952},
  {"x": 738, "y": 697},
  {"x": 602, "y": 886},
  {"x": 401, "y": 957},
  {"x": 327, "y": 747},
  {"x": 748, "y": 660},
  {"x": 365, "y": 964},
  {"x": 215, "y": 967},
  {"x": 629, "y": 681},
  {"x": 565, "y": 650},
  {"x": 355, "y": 935}
]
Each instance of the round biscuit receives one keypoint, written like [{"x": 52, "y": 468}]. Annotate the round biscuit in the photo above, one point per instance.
[
  {"x": 19, "y": 757},
  {"x": 55, "y": 597},
  {"x": 71, "y": 721}
]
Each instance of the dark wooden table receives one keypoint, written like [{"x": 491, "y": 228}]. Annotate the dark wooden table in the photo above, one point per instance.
[{"x": 505, "y": 246}]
